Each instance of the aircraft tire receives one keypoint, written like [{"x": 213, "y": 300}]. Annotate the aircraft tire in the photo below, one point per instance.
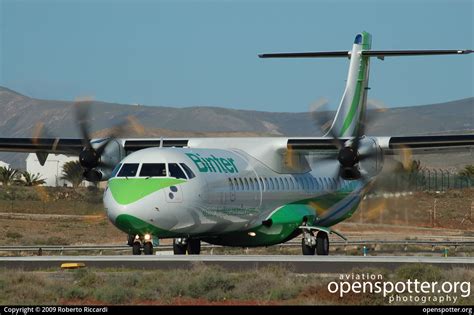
[
  {"x": 148, "y": 248},
  {"x": 179, "y": 249},
  {"x": 322, "y": 243},
  {"x": 307, "y": 250},
  {"x": 136, "y": 249},
  {"x": 194, "y": 247}
]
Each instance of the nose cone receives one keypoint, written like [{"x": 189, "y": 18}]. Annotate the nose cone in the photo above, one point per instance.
[
  {"x": 135, "y": 205},
  {"x": 111, "y": 206}
]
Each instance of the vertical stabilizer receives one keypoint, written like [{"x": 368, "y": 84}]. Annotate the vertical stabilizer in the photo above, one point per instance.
[{"x": 352, "y": 108}]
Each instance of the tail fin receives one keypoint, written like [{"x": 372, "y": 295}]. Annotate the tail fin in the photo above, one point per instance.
[
  {"x": 353, "y": 103},
  {"x": 351, "y": 111}
]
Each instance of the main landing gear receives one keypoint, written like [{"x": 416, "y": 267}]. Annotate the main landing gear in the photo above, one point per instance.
[
  {"x": 138, "y": 243},
  {"x": 318, "y": 244},
  {"x": 191, "y": 246}
]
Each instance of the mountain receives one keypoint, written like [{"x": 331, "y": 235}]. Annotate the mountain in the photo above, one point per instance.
[{"x": 20, "y": 115}]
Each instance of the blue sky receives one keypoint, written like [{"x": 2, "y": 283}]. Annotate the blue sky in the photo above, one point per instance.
[{"x": 192, "y": 53}]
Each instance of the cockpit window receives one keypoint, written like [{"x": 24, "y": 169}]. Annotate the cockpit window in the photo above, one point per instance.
[
  {"x": 188, "y": 171},
  {"x": 116, "y": 169},
  {"x": 153, "y": 170},
  {"x": 128, "y": 170},
  {"x": 176, "y": 171}
]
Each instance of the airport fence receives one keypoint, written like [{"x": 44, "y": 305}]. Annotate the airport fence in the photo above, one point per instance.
[{"x": 426, "y": 179}]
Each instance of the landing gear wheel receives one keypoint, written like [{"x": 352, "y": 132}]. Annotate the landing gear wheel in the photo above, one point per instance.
[
  {"x": 136, "y": 248},
  {"x": 194, "y": 247},
  {"x": 148, "y": 248},
  {"x": 179, "y": 249},
  {"x": 307, "y": 249},
  {"x": 322, "y": 243}
]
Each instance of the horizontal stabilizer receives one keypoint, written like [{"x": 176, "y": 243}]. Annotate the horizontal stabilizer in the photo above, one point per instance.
[
  {"x": 399, "y": 53},
  {"x": 318, "y": 54},
  {"x": 369, "y": 53}
]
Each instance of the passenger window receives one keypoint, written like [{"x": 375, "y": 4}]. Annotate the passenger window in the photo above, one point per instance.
[
  {"x": 246, "y": 184},
  {"x": 188, "y": 171},
  {"x": 236, "y": 185},
  {"x": 252, "y": 186},
  {"x": 241, "y": 184},
  {"x": 153, "y": 170},
  {"x": 128, "y": 170},
  {"x": 315, "y": 184},
  {"x": 176, "y": 171},
  {"x": 287, "y": 185},
  {"x": 292, "y": 183},
  {"x": 231, "y": 185},
  {"x": 282, "y": 187},
  {"x": 116, "y": 169},
  {"x": 267, "y": 185}
]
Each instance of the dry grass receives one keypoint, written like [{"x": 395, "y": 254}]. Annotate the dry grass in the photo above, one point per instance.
[{"x": 199, "y": 285}]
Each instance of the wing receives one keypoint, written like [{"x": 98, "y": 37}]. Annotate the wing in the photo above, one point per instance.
[
  {"x": 45, "y": 145},
  {"x": 421, "y": 144}
]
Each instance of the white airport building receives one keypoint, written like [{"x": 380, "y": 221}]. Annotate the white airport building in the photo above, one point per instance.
[
  {"x": 52, "y": 170},
  {"x": 4, "y": 164}
]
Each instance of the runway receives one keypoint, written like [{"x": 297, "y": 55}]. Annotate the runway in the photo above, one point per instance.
[{"x": 298, "y": 264}]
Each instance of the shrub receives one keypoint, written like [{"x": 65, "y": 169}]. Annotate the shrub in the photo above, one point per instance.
[{"x": 421, "y": 272}]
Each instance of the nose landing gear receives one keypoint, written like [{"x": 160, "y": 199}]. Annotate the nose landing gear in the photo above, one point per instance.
[{"x": 138, "y": 243}]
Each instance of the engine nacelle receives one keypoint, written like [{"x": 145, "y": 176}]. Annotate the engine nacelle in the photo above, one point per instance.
[
  {"x": 111, "y": 155},
  {"x": 371, "y": 157}
]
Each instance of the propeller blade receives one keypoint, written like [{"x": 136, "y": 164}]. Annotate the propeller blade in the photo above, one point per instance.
[
  {"x": 82, "y": 110},
  {"x": 406, "y": 155},
  {"x": 135, "y": 125},
  {"x": 100, "y": 149}
]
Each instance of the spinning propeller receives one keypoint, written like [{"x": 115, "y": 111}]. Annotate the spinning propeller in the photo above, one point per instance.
[{"x": 350, "y": 152}]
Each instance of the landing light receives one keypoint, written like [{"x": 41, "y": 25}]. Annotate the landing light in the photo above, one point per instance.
[
  {"x": 147, "y": 237},
  {"x": 252, "y": 234}
]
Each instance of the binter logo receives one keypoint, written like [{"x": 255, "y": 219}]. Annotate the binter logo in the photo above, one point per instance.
[{"x": 213, "y": 164}]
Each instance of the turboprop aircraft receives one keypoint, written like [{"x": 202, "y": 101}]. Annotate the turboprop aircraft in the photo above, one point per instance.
[{"x": 244, "y": 191}]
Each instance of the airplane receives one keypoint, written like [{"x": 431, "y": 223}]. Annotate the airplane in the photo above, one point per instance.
[{"x": 244, "y": 192}]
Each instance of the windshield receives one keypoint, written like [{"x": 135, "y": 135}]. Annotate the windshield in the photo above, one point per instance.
[
  {"x": 116, "y": 169},
  {"x": 153, "y": 170},
  {"x": 128, "y": 170},
  {"x": 188, "y": 171},
  {"x": 176, "y": 171}
]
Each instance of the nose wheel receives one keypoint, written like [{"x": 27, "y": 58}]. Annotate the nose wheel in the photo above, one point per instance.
[
  {"x": 148, "y": 248},
  {"x": 137, "y": 248},
  {"x": 141, "y": 242}
]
